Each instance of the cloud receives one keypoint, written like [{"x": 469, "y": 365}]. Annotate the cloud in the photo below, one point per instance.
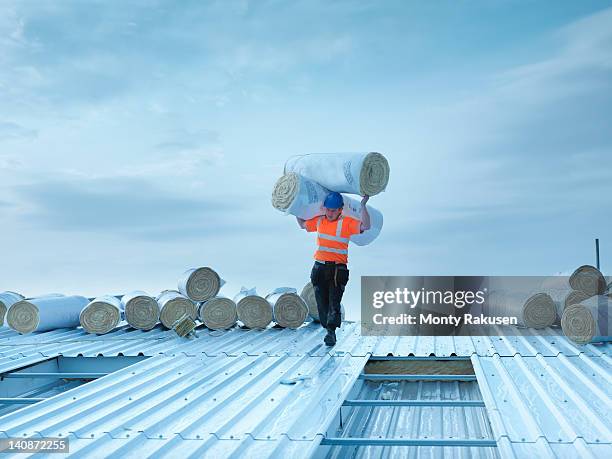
[
  {"x": 11, "y": 26},
  {"x": 183, "y": 162},
  {"x": 10, "y": 130},
  {"x": 534, "y": 139},
  {"x": 10, "y": 162},
  {"x": 184, "y": 139},
  {"x": 135, "y": 208},
  {"x": 78, "y": 54}
]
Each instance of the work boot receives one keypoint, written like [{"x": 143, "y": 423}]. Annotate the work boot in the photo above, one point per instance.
[{"x": 330, "y": 338}]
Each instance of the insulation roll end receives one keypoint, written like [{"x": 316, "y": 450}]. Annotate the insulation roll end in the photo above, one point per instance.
[
  {"x": 7, "y": 299},
  {"x": 254, "y": 312},
  {"x": 290, "y": 310},
  {"x": 218, "y": 313},
  {"x": 374, "y": 175},
  {"x": 23, "y": 317},
  {"x": 575, "y": 297},
  {"x": 285, "y": 190},
  {"x": 173, "y": 306},
  {"x": 200, "y": 284},
  {"x": 539, "y": 311},
  {"x": 100, "y": 317},
  {"x": 578, "y": 324},
  {"x": 588, "y": 279},
  {"x": 142, "y": 312}
]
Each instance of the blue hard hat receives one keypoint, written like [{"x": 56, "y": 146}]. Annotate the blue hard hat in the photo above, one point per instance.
[{"x": 334, "y": 200}]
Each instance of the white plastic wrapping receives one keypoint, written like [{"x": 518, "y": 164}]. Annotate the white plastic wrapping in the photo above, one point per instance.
[
  {"x": 356, "y": 173},
  {"x": 47, "y": 313}
]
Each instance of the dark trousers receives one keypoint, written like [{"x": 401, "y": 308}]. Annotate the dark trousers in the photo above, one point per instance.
[{"x": 329, "y": 281}]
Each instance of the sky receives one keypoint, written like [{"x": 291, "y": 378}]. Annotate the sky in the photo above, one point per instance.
[{"x": 139, "y": 141}]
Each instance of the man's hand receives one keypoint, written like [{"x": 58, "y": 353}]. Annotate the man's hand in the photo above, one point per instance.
[{"x": 365, "y": 216}]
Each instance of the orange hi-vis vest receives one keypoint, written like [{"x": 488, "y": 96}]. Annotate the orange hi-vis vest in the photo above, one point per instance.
[{"x": 333, "y": 237}]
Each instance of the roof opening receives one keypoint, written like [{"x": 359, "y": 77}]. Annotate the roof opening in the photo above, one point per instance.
[
  {"x": 422, "y": 402},
  {"x": 39, "y": 381},
  {"x": 423, "y": 366}
]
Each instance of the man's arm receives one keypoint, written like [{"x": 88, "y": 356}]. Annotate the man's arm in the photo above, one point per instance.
[
  {"x": 365, "y": 216},
  {"x": 301, "y": 222}
]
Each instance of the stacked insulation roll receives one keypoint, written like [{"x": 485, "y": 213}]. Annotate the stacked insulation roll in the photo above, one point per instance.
[
  {"x": 302, "y": 197},
  {"x": 173, "y": 305},
  {"x": 7, "y": 299},
  {"x": 141, "y": 310},
  {"x": 45, "y": 313},
  {"x": 101, "y": 315},
  {"x": 200, "y": 284},
  {"x": 562, "y": 294},
  {"x": 356, "y": 173},
  {"x": 308, "y": 295},
  {"x": 218, "y": 313},
  {"x": 289, "y": 309},
  {"x": 588, "y": 321},
  {"x": 589, "y": 280},
  {"x": 253, "y": 310},
  {"x": 531, "y": 310},
  {"x": 584, "y": 283}
]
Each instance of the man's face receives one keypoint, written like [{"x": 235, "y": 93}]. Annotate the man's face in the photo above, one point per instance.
[{"x": 332, "y": 214}]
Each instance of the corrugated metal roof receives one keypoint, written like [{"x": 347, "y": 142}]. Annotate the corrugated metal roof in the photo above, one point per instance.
[
  {"x": 416, "y": 421},
  {"x": 305, "y": 340},
  {"x": 222, "y": 394}
]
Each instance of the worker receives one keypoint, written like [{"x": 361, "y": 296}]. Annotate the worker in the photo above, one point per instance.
[{"x": 330, "y": 273}]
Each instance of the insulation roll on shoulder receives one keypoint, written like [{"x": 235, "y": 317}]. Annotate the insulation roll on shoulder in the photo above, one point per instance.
[
  {"x": 46, "y": 313},
  {"x": 588, "y": 279},
  {"x": 173, "y": 305},
  {"x": 357, "y": 173},
  {"x": 101, "y": 315},
  {"x": 141, "y": 310},
  {"x": 531, "y": 310},
  {"x": 299, "y": 196},
  {"x": 589, "y": 321},
  {"x": 7, "y": 299},
  {"x": 218, "y": 313},
  {"x": 200, "y": 284},
  {"x": 308, "y": 295},
  {"x": 290, "y": 310},
  {"x": 352, "y": 208},
  {"x": 253, "y": 310}
]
